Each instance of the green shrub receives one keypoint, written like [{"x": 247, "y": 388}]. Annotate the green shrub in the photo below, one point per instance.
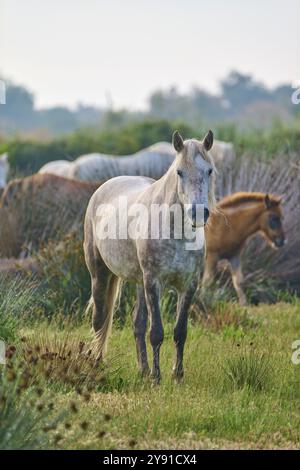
[
  {"x": 247, "y": 368},
  {"x": 28, "y": 156}
]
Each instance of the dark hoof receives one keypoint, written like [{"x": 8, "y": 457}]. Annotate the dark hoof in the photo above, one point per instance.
[
  {"x": 145, "y": 372},
  {"x": 155, "y": 377},
  {"x": 178, "y": 375}
]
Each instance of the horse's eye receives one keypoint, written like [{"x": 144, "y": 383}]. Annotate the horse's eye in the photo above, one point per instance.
[
  {"x": 210, "y": 172},
  {"x": 179, "y": 173},
  {"x": 274, "y": 223}
]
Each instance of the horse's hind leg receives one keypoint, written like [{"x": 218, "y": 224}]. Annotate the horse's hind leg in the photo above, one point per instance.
[
  {"x": 140, "y": 316},
  {"x": 237, "y": 279},
  {"x": 180, "y": 330}
]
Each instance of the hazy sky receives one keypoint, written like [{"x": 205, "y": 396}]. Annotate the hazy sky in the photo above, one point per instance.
[{"x": 69, "y": 51}]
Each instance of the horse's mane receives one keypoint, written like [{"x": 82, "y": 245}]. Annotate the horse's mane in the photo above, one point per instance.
[
  {"x": 194, "y": 146},
  {"x": 236, "y": 199}
]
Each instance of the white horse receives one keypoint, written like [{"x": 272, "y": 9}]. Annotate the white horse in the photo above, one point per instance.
[
  {"x": 149, "y": 261},
  {"x": 57, "y": 167},
  {"x": 153, "y": 162},
  {"x": 4, "y": 169}
]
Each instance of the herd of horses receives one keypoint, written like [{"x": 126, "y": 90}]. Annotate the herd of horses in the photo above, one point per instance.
[{"x": 181, "y": 174}]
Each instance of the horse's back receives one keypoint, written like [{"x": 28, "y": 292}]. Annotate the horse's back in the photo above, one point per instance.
[
  {"x": 162, "y": 147},
  {"x": 152, "y": 162},
  {"x": 127, "y": 186},
  {"x": 57, "y": 167},
  {"x": 105, "y": 209},
  {"x": 223, "y": 152},
  {"x": 95, "y": 167}
]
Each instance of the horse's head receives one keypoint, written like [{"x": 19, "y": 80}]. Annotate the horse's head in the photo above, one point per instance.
[
  {"x": 271, "y": 221},
  {"x": 195, "y": 176},
  {"x": 4, "y": 168}
]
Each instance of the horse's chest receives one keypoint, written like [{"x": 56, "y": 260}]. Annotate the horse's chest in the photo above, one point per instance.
[{"x": 174, "y": 264}]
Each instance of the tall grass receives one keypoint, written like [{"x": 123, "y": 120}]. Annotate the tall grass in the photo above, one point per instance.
[{"x": 16, "y": 302}]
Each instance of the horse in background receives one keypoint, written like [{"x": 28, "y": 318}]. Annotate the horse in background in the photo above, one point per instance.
[
  {"x": 234, "y": 221},
  {"x": 4, "y": 170},
  {"x": 153, "y": 162},
  {"x": 149, "y": 261},
  {"x": 39, "y": 208}
]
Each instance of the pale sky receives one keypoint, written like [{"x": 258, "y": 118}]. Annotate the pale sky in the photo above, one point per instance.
[{"x": 70, "y": 51}]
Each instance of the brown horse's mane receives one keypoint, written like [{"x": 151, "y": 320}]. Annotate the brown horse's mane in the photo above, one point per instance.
[{"x": 236, "y": 199}]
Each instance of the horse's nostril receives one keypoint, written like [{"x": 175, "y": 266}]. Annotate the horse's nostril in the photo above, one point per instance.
[{"x": 206, "y": 214}]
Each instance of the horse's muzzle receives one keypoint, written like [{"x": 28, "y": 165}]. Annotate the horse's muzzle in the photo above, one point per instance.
[
  {"x": 204, "y": 219},
  {"x": 279, "y": 242}
]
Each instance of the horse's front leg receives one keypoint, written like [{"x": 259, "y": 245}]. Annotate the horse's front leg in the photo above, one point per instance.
[
  {"x": 237, "y": 279},
  {"x": 140, "y": 317},
  {"x": 180, "y": 330},
  {"x": 152, "y": 292}
]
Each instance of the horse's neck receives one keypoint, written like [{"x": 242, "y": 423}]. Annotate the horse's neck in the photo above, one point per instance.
[
  {"x": 165, "y": 189},
  {"x": 248, "y": 219}
]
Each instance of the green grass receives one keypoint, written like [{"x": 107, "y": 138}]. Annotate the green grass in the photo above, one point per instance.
[{"x": 240, "y": 388}]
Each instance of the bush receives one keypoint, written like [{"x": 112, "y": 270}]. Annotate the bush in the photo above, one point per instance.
[
  {"x": 247, "y": 368},
  {"x": 28, "y": 156},
  {"x": 25, "y": 422}
]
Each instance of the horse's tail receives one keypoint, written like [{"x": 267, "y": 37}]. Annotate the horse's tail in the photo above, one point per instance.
[
  {"x": 89, "y": 307},
  {"x": 103, "y": 333}
]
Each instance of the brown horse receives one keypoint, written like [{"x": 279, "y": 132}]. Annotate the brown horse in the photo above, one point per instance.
[
  {"x": 235, "y": 219},
  {"x": 38, "y": 208}
]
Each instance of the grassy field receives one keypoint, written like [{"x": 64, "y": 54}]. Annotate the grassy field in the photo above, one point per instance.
[{"x": 240, "y": 390}]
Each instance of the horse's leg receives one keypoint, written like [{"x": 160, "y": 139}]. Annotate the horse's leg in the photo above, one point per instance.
[
  {"x": 140, "y": 317},
  {"x": 180, "y": 330},
  {"x": 210, "y": 268},
  {"x": 156, "y": 328},
  {"x": 237, "y": 279}
]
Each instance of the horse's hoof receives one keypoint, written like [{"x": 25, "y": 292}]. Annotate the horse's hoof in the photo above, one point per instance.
[
  {"x": 155, "y": 377},
  {"x": 178, "y": 375},
  {"x": 145, "y": 372}
]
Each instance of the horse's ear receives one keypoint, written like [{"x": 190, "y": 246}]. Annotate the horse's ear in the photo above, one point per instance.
[
  {"x": 208, "y": 140},
  {"x": 177, "y": 141},
  {"x": 267, "y": 201}
]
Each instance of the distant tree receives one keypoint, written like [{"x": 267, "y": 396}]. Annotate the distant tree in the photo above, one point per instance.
[
  {"x": 240, "y": 90},
  {"x": 19, "y": 107},
  {"x": 58, "y": 120},
  {"x": 88, "y": 115},
  {"x": 169, "y": 104}
]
